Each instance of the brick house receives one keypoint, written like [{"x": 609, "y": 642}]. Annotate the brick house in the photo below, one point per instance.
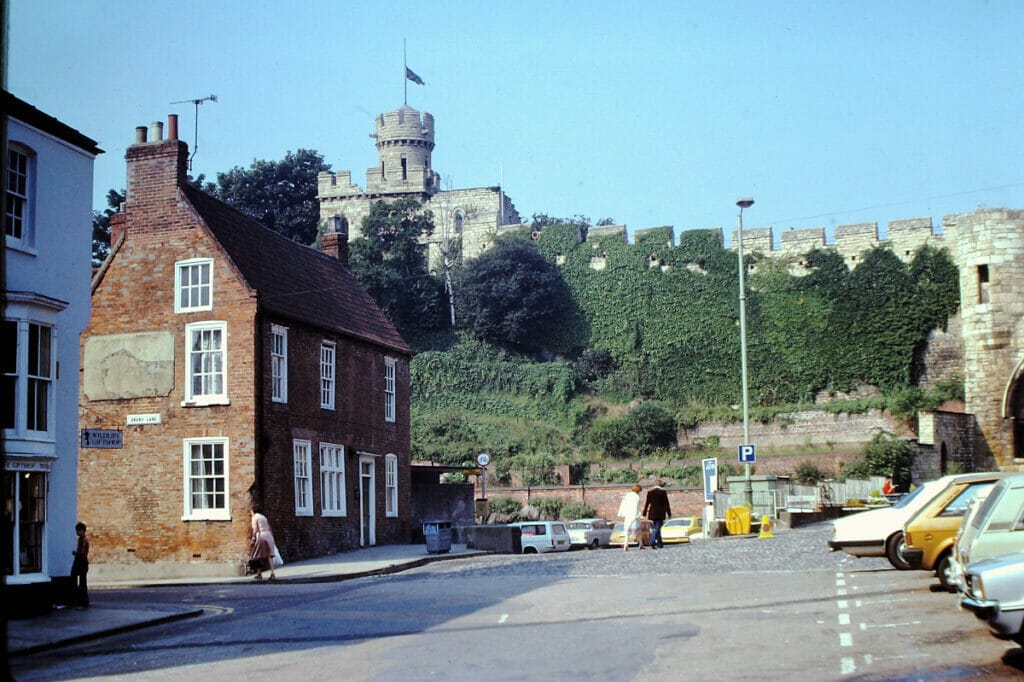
[
  {"x": 243, "y": 369},
  {"x": 48, "y": 177}
]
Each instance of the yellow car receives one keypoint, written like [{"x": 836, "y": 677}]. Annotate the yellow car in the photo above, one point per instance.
[
  {"x": 930, "y": 533},
  {"x": 617, "y": 536},
  {"x": 679, "y": 529}
]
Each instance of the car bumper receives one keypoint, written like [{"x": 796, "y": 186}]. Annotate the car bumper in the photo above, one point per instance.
[
  {"x": 1004, "y": 619},
  {"x": 858, "y": 547},
  {"x": 914, "y": 557}
]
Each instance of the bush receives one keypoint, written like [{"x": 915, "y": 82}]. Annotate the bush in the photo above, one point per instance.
[
  {"x": 807, "y": 473},
  {"x": 885, "y": 455},
  {"x": 550, "y": 508},
  {"x": 505, "y": 506},
  {"x": 646, "y": 428},
  {"x": 577, "y": 510}
]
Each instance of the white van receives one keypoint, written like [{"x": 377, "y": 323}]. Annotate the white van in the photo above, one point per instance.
[
  {"x": 544, "y": 536},
  {"x": 997, "y": 528}
]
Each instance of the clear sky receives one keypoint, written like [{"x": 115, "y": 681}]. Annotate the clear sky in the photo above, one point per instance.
[{"x": 651, "y": 113}]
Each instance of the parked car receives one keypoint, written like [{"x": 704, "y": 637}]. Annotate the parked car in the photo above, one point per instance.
[
  {"x": 618, "y": 537},
  {"x": 544, "y": 536},
  {"x": 955, "y": 571},
  {"x": 928, "y": 535},
  {"x": 879, "y": 532},
  {"x": 997, "y": 528},
  {"x": 679, "y": 529},
  {"x": 994, "y": 592},
  {"x": 590, "y": 533}
]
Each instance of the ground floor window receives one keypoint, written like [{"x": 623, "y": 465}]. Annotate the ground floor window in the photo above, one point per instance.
[
  {"x": 24, "y": 520},
  {"x": 206, "y": 479}
]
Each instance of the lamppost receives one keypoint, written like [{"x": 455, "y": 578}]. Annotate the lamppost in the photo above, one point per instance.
[{"x": 748, "y": 490}]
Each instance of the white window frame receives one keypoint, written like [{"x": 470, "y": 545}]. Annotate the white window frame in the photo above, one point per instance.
[
  {"x": 213, "y": 397},
  {"x": 303, "y": 470},
  {"x": 190, "y": 512},
  {"x": 24, "y": 378},
  {"x": 328, "y": 369},
  {"x": 183, "y": 285},
  {"x": 390, "y": 485},
  {"x": 389, "y": 389},
  {"x": 23, "y": 197},
  {"x": 332, "y": 480},
  {"x": 278, "y": 364}
]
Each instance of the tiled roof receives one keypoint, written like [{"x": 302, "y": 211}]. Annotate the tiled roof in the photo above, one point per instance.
[
  {"x": 26, "y": 113},
  {"x": 296, "y": 281}
]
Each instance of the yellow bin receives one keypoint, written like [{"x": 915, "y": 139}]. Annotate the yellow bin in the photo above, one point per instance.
[{"x": 737, "y": 521}]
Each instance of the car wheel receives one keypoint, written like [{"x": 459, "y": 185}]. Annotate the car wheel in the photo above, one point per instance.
[
  {"x": 894, "y": 551},
  {"x": 529, "y": 550},
  {"x": 594, "y": 544},
  {"x": 942, "y": 573}
]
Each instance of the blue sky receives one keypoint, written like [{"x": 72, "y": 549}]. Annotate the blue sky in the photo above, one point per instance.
[{"x": 651, "y": 113}]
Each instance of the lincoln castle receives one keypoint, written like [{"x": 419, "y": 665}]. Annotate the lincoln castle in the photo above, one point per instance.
[{"x": 987, "y": 245}]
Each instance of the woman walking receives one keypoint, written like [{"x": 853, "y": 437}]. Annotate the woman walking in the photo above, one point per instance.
[
  {"x": 262, "y": 557},
  {"x": 629, "y": 510}
]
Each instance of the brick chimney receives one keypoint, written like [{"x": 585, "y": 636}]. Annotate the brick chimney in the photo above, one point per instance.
[
  {"x": 335, "y": 240},
  {"x": 156, "y": 167}
]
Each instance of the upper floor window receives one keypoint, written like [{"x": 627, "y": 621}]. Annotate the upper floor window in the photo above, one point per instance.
[
  {"x": 206, "y": 362},
  {"x": 327, "y": 367},
  {"x": 18, "y": 199},
  {"x": 389, "y": 389},
  {"x": 332, "y": 479},
  {"x": 390, "y": 485},
  {"x": 28, "y": 374},
  {"x": 279, "y": 364},
  {"x": 983, "y": 284},
  {"x": 206, "y": 479},
  {"x": 193, "y": 285},
  {"x": 302, "y": 457}
]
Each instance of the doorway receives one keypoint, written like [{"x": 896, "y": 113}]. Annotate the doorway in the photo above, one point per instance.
[{"x": 367, "y": 502}]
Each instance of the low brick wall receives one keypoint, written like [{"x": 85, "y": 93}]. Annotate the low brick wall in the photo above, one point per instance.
[{"x": 605, "y": 498}]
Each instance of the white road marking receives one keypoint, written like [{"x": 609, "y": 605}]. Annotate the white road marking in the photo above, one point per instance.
[
  {"x": 503, "y": 618},
  {"x": 845, "y": 639},
  {"x": 847, "y": 666},
  {"x": 841, "y": 604},
  {"x": 844, "y": 619},
  {"x": 865, "y": 626}
]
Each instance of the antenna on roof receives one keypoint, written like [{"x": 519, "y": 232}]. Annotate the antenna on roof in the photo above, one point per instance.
[{"x": 195, "y": 139}]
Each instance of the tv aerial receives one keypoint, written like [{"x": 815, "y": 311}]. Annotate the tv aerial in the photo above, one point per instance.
[{"x": 195, "y": 139}]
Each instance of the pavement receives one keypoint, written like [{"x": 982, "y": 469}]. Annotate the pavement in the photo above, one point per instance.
[{"x": 110, "y": 615}]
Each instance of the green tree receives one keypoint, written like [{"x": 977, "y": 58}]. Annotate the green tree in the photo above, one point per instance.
[
  {"x": 101, "y": 227},
  {"x": 512, "y": 297},
  {"x": 279, "y": 194},
  {"x": 391, "y": 265}
]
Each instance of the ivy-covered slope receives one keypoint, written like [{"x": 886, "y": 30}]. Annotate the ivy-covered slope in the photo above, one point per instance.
[{"x": 668, "y": 318}]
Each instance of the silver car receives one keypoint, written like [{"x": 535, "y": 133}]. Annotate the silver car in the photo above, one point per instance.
[
  {"x": 994, "y": 592},
  {"x": 590, "y": 533}
]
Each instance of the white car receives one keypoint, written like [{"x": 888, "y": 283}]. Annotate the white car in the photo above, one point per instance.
[
  {"x": 995, "y": 528},
  {"x": 879, "y": 532},
  {"x": 590, "y": 533},
  {"x": 544, "y": 536}
]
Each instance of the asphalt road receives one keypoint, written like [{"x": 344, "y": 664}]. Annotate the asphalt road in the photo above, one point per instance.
[{"x": 733, "y": 609}]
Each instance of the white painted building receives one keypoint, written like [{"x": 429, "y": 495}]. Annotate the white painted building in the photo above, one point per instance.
[{"x": 48, "y": 242}]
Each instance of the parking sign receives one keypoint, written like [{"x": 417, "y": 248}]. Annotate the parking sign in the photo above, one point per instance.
[
  {"x": 710, "y": 478},
  {"x": 746, "y": 454}
]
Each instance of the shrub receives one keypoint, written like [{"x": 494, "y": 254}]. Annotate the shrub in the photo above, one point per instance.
[
  {"x": 577, "y": 510},
  {"x": 807, "y": 473},
  {"x": 885, "y": 455},
  {"x": 505, "y": 506},
  {"x": 549, "y": 507}
]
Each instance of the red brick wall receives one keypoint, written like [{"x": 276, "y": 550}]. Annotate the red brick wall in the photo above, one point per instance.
[{"x": 605, "y": 498}]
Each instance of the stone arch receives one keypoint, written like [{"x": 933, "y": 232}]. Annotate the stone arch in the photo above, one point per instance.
[{"x": 1013, "y": 409}]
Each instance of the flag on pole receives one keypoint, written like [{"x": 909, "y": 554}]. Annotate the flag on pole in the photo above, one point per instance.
[{"x": 413, "y": 77}]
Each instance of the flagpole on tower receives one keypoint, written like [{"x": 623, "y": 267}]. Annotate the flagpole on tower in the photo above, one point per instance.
[{"x": 405, "y": 75}]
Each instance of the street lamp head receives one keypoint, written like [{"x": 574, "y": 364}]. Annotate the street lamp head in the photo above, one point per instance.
[{"x": 745, "y": 202}]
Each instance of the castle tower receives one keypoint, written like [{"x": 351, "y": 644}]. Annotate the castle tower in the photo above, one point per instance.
[
  {"x": 988, "y": 247},
  {"x": 404, "y": 142}
]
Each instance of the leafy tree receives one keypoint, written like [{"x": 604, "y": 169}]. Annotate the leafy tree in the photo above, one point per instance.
[
  {"x": 279, "y": 194},
  {"x": 885, "y": 455},
  {"x": 391, "y": 264},
  {"x": 101, "y": 227},
  {"x": 513, "y": 297}
]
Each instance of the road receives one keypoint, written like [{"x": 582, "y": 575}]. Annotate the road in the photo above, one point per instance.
[{"x": 738, "y": 609}]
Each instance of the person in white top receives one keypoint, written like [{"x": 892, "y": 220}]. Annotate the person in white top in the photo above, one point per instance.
[{"x": 629, "y": 510}]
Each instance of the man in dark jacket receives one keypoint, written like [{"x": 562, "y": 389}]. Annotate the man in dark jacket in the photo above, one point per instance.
[{"x": 657, "y": 509}]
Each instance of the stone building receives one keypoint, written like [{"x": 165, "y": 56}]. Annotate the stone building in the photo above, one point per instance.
[
  {"x": 47, "y": 237},
  {"x": 466, "y": 220},
  {"x": 243, "y": 369}
]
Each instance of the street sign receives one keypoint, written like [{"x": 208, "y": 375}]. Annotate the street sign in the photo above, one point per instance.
[
  {"x": 747, "y": 454},
  {"x": 710, "y": 478},
  {"x": 483, "y": 459},
  {"x": 101, "y": 438},
  {"x": 472, "y": 472}
]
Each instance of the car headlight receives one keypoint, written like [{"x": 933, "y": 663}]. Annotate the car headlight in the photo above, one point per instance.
[{"x": 975, "y": 586}]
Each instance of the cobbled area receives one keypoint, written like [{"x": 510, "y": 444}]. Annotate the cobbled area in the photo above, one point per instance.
[{"x": 800, "y": 549}]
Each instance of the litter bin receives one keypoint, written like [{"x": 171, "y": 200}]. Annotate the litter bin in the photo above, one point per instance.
[{"x": 438, "y": 535}]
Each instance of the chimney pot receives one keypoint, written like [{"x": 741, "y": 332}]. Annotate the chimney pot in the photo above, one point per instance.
[
  {"x": 172, "y": 126},
  {"x": 156, "y": 130},
  {"x": 140, "y": 134}
]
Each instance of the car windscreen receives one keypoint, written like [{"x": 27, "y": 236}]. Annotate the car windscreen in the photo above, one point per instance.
[
  {"x": 904, "y": 501},
  {"x": 981, "y": 517}
]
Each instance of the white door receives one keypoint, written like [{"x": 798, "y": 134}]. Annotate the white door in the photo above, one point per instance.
[{"x": 367, "y": 503}]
